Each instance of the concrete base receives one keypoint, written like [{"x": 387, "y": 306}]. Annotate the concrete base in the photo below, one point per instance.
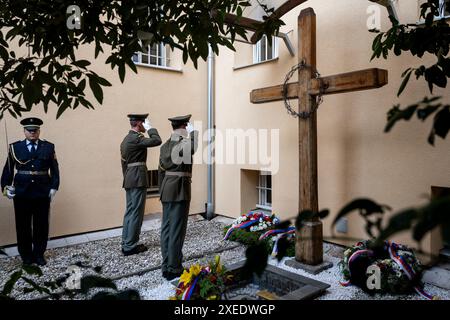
[{"x": 309, "y": 268}]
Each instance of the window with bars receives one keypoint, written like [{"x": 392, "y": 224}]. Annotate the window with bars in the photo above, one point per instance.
[
  {"x": 263, "y": 51},
  {"x": 154, "y": 55},
  {"x": 264, "y": 191},
  {"x": 153, "y": 189}
]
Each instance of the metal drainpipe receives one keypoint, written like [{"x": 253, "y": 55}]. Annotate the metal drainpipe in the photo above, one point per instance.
[{"x": 211, "y": 128}]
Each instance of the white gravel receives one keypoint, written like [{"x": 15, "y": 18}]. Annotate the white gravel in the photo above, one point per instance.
[{"x": 203, "y": 240}]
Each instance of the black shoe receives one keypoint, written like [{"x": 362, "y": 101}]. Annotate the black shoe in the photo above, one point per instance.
[
  {"x": 27, "y": 261},
  {"x": 171, "y": 275},
  {"x": 40, "y": 261},
  {"x": 138, "y": 249}
]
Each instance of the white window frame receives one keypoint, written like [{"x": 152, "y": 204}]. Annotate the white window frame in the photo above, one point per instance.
[
  {"x": 162, "y": 56},
  {"x": 442, "y": 6},
  {"x": 263, "y": 189},
  {"x": 257, "y": 54}
]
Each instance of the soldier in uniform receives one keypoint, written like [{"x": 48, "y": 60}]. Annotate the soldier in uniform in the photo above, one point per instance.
[
  {"x": 175, "y": 172},
  {"x": 32, "y": 188},
  {"x": 133, "y": 151}
]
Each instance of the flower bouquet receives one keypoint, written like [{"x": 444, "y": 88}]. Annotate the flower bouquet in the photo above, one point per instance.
[{"x": 203, "y": 282}]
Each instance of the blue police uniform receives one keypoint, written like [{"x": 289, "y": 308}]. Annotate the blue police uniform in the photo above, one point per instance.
[{"x": 36, "y": 174}]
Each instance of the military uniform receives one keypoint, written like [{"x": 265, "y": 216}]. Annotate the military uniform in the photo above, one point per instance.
[
  {"x": 133, "y": 151},
  {"x": 175, "y": 172},
  {"x": 37, "y": 174}
]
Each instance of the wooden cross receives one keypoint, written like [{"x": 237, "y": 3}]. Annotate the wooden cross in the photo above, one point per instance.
[{"x": 309, "y": 239}]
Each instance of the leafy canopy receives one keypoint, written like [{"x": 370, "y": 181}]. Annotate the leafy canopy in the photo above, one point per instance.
[{"x": 49, "y": 71}]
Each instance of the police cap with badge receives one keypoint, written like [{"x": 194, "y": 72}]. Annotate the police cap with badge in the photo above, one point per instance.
[{"x": 31, "y": 124}]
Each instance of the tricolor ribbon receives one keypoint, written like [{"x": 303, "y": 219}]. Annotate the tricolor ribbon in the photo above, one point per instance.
[
  {"x": 188, "y": 292},
  {"x": 355, "y": 255},
  {"x": 242, "y": 225},
  {"x": 279, "y": 236},
  {"x": 407, "y": 269},
  {"x": 276, "y": 231}
]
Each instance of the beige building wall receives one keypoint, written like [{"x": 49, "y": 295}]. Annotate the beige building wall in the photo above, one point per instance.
[
  {"x": 87, "y": 143},
  {"x": 356, "y": 159}
]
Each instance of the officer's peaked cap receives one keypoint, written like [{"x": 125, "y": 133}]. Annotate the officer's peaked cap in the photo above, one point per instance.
[
  {"x": 138, "y": 117},
  {"x": 180, "y": 119},
  {"x": 31, "y": 123}
]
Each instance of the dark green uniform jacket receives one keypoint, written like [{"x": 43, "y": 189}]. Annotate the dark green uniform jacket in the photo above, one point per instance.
[
  {"x": 133, "y": 150},
  {"x": 175, "y": 166}
]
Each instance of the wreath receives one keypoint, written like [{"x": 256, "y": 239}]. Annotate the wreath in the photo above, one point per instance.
[
  {"x": 257, "y": 226},
  {"x": 398, "y": 268}
]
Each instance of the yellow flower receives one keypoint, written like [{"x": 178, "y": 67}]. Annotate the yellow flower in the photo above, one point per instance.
[
  {"x": 185, "y": 277},
  {"x": 195, "y": 270},
  {"x": 214, "y": 297},
  {"x": 172, "y": 298},
  {"x": 218, "y": 266}
]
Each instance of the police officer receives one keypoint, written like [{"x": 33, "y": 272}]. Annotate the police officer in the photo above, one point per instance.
[
  {"x": 175, "y": 172},
  {"x": 133, "y": 151},
  {"x": 32, "y": 188}
]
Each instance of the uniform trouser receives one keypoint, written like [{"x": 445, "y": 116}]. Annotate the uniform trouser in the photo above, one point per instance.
[
  {"x": 134, "y": 215},
  {"x": 32, "y": 224},
  {"x": 173, "y": 232}
]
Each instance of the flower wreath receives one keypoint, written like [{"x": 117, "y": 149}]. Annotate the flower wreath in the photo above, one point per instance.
[
  {"x": 257, "y": 226},
  {"x": 400, "y": 270}
]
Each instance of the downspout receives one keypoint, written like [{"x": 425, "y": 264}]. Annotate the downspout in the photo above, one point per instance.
[{"x": 211, "y": 127}]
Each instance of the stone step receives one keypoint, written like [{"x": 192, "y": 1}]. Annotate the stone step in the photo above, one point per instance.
[
  {"x": 438, "y": 276},
  {"x": 444, "y": 254}
]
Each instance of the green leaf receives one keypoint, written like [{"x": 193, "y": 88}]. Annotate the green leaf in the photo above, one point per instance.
[
  {"x": 404, "y": 82},
  {"x": 256, "y": 260},
  {"x": 9, "y": 285},
  {"x": 81, "y": 63},
  {"x": 93, "y": 281},
  {"x": 96, "y": 89},
  {"x": 366, "y": 207},
  {"x": 32, "y": 270},
  {"x": 122, "y": 72}
]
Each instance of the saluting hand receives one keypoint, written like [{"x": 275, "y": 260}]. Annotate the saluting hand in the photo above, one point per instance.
[
  {"x": 189, "y": 127},
  {"x": 10, "y": 192},
  {"x": 147, "y": 125},
  {"x": 51, "y": 194}
]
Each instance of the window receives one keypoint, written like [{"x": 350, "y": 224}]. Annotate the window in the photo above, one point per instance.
[
  {"x": 153, "y": 189},
  {"x": 155, "y": 55},
  {"x": 264, "y": 191},
  {"x": 262, "y": 51},
  {"x": 444, "y": 9}
]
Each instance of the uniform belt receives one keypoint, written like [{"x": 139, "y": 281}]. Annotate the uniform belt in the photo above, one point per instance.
[
  {"x": 178, "y": 174},
  {"x": 136, "y": 164},
  {"x": 33, "y": 173}
]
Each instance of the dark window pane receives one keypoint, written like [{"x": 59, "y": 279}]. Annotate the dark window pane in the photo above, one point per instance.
[
  {"x": 145, "y": 58},
  {"x": 269, "y": 197},
  {"x": 269, "y": 181},
  {"x": 153, "y": 60}
]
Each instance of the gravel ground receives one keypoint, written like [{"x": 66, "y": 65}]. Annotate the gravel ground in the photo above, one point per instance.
[{"x": 204, "y": 240}]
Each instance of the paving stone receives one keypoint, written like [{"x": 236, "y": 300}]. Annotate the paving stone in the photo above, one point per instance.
[{"x": 308, "y": 268}]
